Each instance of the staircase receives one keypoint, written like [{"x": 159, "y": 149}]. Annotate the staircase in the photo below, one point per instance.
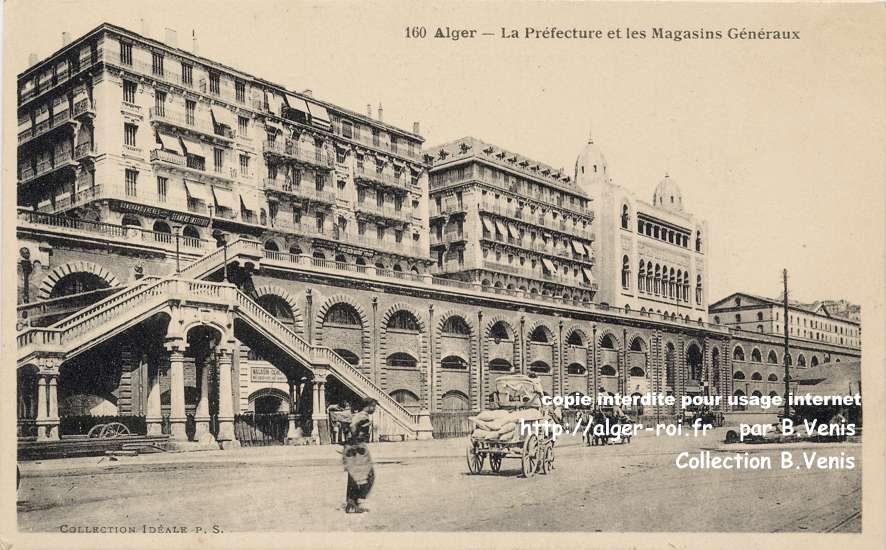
[
  {"x": 393, "y": 419},
  {"x": 243, "y": 250}
]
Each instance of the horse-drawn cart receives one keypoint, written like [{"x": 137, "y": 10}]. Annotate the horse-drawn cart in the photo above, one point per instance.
[{"x": 517, "y": 428}]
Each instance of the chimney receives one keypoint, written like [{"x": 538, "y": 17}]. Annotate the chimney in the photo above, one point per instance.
[
  {"x": 170, "y": 37},
  {"x": 380, "y": 113},
  {"x": 194, "y": 42},
  {"x": 415, "y": 128},
  {"x": 369, "y": 110},
  {"x": 308, "y": 92},
  {"x": 66, "y": 39},
  {"x": 32, "y": 59}
]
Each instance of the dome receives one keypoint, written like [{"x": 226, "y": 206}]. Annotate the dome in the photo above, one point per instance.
[
  {"x": 668, "y": 195},
  {"x": 590, "y": 166}
]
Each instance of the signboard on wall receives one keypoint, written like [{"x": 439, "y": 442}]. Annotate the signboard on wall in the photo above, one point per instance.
[{"x": 267, "y": 374}]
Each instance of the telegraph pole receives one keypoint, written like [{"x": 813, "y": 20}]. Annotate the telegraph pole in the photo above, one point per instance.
[{"x": 787, "y": 348}]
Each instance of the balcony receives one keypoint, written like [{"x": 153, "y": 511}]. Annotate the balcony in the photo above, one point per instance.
[
  {"x": 385, "y": 212},
  {"x": 304, "y": 229},
  {"x": 49, "y": 126},
  {"x": 384, "y": 179},
  {"x": 26, "y": 96},
  {"x": 47, "y": 167},
  {"x": 303, "y": 191},
  {"x": 84, "y": 107},
  {"x": 84, "y": 151},
  {"x": 187, "y": 122},
  {"x": 168, "y": 157},
  {"x": 174, "y": 161},
  {"x": 310, "y": 156}
]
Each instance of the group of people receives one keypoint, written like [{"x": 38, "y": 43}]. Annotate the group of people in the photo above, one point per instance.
[
  {"x": 353, "y": 431},
  {"x": 597, "y": 416}
]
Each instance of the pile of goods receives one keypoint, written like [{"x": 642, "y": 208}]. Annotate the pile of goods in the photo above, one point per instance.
[{"x": 503, "y": 425}]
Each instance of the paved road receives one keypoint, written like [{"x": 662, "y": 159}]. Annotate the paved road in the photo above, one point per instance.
[{"x": 425, "y": 486}]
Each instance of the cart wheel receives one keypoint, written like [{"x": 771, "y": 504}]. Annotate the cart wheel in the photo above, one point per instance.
[
  {"x": 495, "y": 463},
  {"x": 475, "y": 460},
  {"x": 114, "y": 429},
  {"x": 96, "y": 430},
  {"x": 547, "y": 460},
  {"x": 529, "y": 459}
]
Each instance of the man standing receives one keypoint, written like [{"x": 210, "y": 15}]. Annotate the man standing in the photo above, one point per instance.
[{"x": 356, "y": 458}]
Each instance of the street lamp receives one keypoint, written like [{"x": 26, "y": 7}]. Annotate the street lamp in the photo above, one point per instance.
[
  {"x": 221, "y": 240},
  {"x": 177, "y": 229}
]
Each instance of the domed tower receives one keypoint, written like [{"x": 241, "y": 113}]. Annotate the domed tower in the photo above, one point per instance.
[
  {"x": 668, "y": 195},
  {"x": 590, "y": 167}
]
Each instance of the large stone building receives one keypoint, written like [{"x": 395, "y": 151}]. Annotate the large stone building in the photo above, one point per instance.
[{"x": 196, "y": 242}]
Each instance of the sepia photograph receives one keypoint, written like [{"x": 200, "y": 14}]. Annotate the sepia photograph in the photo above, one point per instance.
[{"x": 443, "y": 274}]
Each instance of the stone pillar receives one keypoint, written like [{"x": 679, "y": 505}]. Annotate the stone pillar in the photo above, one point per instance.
[
  {"x": 318, "y": 410},
  {"x": 201, "y": 414},
  {"x": 154, "y": 416},
  {"x": 225, "y": 401},
  {"x": 47, "y": 406},
  {"x": 177, "y": 417}
]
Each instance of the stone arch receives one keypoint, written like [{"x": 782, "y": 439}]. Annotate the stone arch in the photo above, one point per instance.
[
  {"x": 454, "y": 313},
  {"x": 274, "y": 290},
  {"x": 404, "y": 307},
  {"x": 62, "y": 271},
  {"x": 552, "y": 337},
  {"x": 637, "y": 343},
  {"x": 576, "y": 330},
  {"x": 364, "y": 322},
  {"x": 512, "y": 332},
  {"x": 473, "y": 393},
  {"x": 616, "y": 342}
]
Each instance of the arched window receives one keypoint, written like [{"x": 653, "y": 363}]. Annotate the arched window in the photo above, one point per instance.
[
  {"x": 772, "y": 357},
  {"x": 575, "y": 339},
  {"x": 814, "y": 360},
  {"x": 456, "y": 325},
  {"x": 343, "y": 314},
  {"x": 318, "y": 255},
  {"x": 773, "y": 378},
  {"x": 637, "y": 372},
  {"x": 340, "y": 258},
  {"x": 162, "y": 227},
  {"x": 500, "y": 365},
  {"x": 698, "y": 241},
  {"x": 699, "y": 293},
  {"x": 625, "y": 272},
  {"x": 738, "y": 375},
  {"x": 576, "y": 368},
  {"x": 759, "y": 315},
  {"x": 756, "y": 376},
  {"x": 348, "y": 356},
  {"x": 607, "y": 342},
  {"x": 756, "y": 356},
  {"x": 77, "y": 282},
  {"x": 625, "y": 217},
  {"x": 271, "y": 246},
  {"x": 540, "y": 367},
  {"x": 454, "y": 400},
  {"x": 641, "y": 277},
  {"x": 130, "y": 220},
  {"x": 657, "y": 279},
  {"x": 499, "y": 331},
  {"x": 739, "y": 406},
  {"x": 190, "y": 232},
  {"x": 279, "y": 308},
  {"x": 607, "y": 370},
  {"x": 637, "y": 344},
  {"x": 402, "y": 360},
  {"x": 403, "y": 320},
  {"x": 295, "y": 250},
  {"x": 693, "y": 361},
  {"x": 360, "y": 260},
  {"x": 757, "y": 394},
  {"x": 738, "y": 354},
  {"x": 454, "y": 362},
  {"x": 539, "y": 336},
  {"x": 397, "y": 268},
  {"x": 406, "y": 398}
]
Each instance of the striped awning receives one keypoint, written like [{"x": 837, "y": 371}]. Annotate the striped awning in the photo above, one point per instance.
[
  {"x": 275, "y": 103},
  {"x": 319, "y": 115},
  {"x": 225, "y": 198},
  {"x": 515, "y": 233},
  {"x": 587, "y": 273},
  {"x": 296, "y": 103},
  {"x": 501, "y": 227},
  {"x": 223, "y": 116},
  {"x": 549, "y": 265},
  {"x": 169, "y": 142},
  {"x": 196, "y": 190},
  {"x": 249, "y": 202},
  {"x": 487, "y": 223},
  {"x": 578, "y": 247},
  {"x": 274, "y": 126}
]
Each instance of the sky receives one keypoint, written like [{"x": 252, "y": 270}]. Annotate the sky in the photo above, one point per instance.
[{"x": 778, "y": 144}]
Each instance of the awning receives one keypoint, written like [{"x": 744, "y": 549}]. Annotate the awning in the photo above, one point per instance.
[
  {"x": 193, "y": 147},
  {"x": 224, "y": 198},
  {"x": 319, "y": 116},
  {"x": 515, "y": 233},
  {"x": 487, "y": 223},
  {"x": 170, "y": 142},
  {"x": 578, "y": 247},
  {"x": 501, "y": 227},
  {"x": 275, "y": 102},
  {"x": 249, "y": 202},
  {"x": 80, "y": 94},
  {"x": 196, "y": 190},
  {"x": 296, "y": 103},
  {"x": 587, "y": 274},
  {"x": 224, "y": 117},
  {"x": 273, "y": 125},
  {"x": 549, "y": 265}
]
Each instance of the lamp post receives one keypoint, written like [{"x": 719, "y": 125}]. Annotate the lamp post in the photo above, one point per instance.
[
  {"x": 177, "y": 229},
  {"x": 221, "y": 240}
]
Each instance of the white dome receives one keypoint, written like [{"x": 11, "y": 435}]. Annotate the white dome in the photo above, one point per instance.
[
  {"x": 590, "y": 166},
  {"x": 668, "y": 195}
]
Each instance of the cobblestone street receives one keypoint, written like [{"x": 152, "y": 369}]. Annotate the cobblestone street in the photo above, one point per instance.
[{"x": 424, "y": 486}]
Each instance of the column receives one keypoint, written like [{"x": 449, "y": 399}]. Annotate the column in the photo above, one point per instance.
[
  {"x": 177, "y": 416},
  {"x": 225, "y": 401},
  {"x": 47, "y": 406},
  {"x": 154, "y": 416},
  {"x": 201, "y": 415},
  {"x": 318, "y": 411}
]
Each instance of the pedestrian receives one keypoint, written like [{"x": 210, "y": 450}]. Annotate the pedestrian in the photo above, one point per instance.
[{"x": 357, "y": 462}]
